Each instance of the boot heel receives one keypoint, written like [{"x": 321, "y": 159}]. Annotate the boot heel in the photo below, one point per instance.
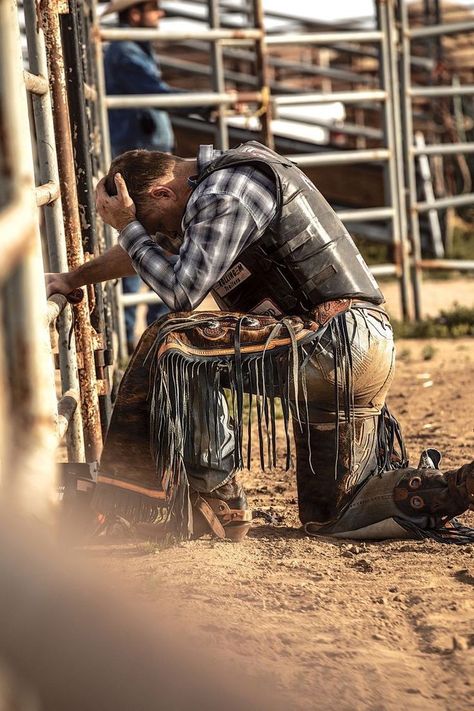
[{"x": 236, "y": 532}]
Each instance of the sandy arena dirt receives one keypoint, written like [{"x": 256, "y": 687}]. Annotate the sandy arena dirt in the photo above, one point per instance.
[{"x": 342, "y": 625}]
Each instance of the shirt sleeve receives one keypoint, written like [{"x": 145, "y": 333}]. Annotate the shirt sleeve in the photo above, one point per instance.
[
  {"x": 220, "y": 228},
  {"x": 141, "y": 75}
]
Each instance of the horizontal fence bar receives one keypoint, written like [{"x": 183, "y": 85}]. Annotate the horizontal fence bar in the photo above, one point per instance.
[
  {"x": 35, "y": 83},
  {"x": 434, "y": 91},
  {"x": 16, "y": 230},
  {"x": 379, "y": 270},
  {"x": 56, "y": 305},
  {"x": 441, "y": 203},
  {"x": 179, "y": 100},
  {"x": 150, "y": 35},
  {"x": 447, "y": 28},
  {"x": 325, "y": 37},
  {"x": 66, "y": 407},
  {"x": 371, "y": 213},
  {"x": 442, "y": 149},
  {"x": 275, "y": 61},
  {"x": 237, "y": 43},
  {"x": 341, "y": 157},
  {"x": 454, "y": 264},
  {"x": 142, "y": 297},
  {"x": 47, "y": 193},
  {"x": 349, "y": 97}
]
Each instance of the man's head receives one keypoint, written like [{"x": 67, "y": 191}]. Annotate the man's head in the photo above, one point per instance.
[
  {"x": 157, "y": 184},
  {"x": 136, "y": 14}
]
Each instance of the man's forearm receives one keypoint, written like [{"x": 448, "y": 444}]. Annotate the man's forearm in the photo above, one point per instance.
[{"x": 112, "y": 264}]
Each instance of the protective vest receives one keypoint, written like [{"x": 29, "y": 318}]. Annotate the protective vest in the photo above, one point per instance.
[{"x": 304, "y": 258}]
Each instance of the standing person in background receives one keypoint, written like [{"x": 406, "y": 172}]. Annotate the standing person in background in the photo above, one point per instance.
[{"x": 134, "y": 68}]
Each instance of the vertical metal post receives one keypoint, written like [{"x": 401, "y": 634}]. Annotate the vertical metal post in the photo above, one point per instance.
[
  {"x": 96, "y": 139},
  {"x": 48, "y": 170},
  {"x": 407, "y": 128},
  {"x": 263, "y": 72},
  {"x": 401, "y": 254},
  {"x": 218, "y": 82},
  {"x": 29, "y": 472},
  {"x": 390, "y": 169},
  {"x": 115, "y": 292},
  {"x": 433, "y": 216},
  {"x": 74, "y": 61},
  {"x": 85, "y": 335}
]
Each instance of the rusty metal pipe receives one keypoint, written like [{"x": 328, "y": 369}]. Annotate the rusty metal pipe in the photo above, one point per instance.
[
  {"x": 35, "y": 83},
  {"x": 53, "y": 218},
  {"x": 47, "y": 193},
  {"x": 66, "y": 408},
  {"x": 83, "y": 330}
]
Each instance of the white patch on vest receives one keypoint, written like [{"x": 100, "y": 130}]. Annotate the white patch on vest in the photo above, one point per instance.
[
  {"x": 231, "y": 279},
  {"x": 367, "y": 271},
  {"x": 267, "y": 308},
  {"x": 312, "y": 219}
]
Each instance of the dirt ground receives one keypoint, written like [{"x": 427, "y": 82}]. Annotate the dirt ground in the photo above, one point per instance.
[{"x": 342, "y": 625}]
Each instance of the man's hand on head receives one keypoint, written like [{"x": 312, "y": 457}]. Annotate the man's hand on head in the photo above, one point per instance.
[{"x": 116, "y": 210}]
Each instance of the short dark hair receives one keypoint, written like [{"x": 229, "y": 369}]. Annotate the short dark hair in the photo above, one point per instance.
[{"x": 140, "y": 169}]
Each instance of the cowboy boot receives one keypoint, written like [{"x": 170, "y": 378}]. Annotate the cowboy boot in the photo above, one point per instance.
[
  {"x": 224, "y": 512},
  {"x": 331, "y": 463},
  {"x": 409, "y": 502},
  {"x": 430, "y": 493}
]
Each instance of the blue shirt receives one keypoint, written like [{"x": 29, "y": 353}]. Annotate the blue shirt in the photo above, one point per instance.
[
  {"x": 133, "y": 68},
  {"x": 224, "y": 215}
]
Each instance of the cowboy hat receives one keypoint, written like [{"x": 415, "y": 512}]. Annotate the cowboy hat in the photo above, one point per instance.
[{"x": 119, "y": 5}]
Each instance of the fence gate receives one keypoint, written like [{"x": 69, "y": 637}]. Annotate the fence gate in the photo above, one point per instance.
[{"x": 46, "y": 191}]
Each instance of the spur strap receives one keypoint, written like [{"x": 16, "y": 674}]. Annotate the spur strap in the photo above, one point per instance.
[{"x": 218, "y": 514}]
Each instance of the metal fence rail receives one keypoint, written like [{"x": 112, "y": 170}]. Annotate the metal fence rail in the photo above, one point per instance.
[
  {"x": 415, "y": 207},
  {"x": 33, "y": 420},
  {"x": 390, "y": 153},
  {"x": 53, "y": 216},
  {"x": 28, "y": 410}
]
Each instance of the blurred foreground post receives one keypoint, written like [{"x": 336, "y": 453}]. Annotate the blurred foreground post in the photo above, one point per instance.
[{"x": 28, "y": 409}]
